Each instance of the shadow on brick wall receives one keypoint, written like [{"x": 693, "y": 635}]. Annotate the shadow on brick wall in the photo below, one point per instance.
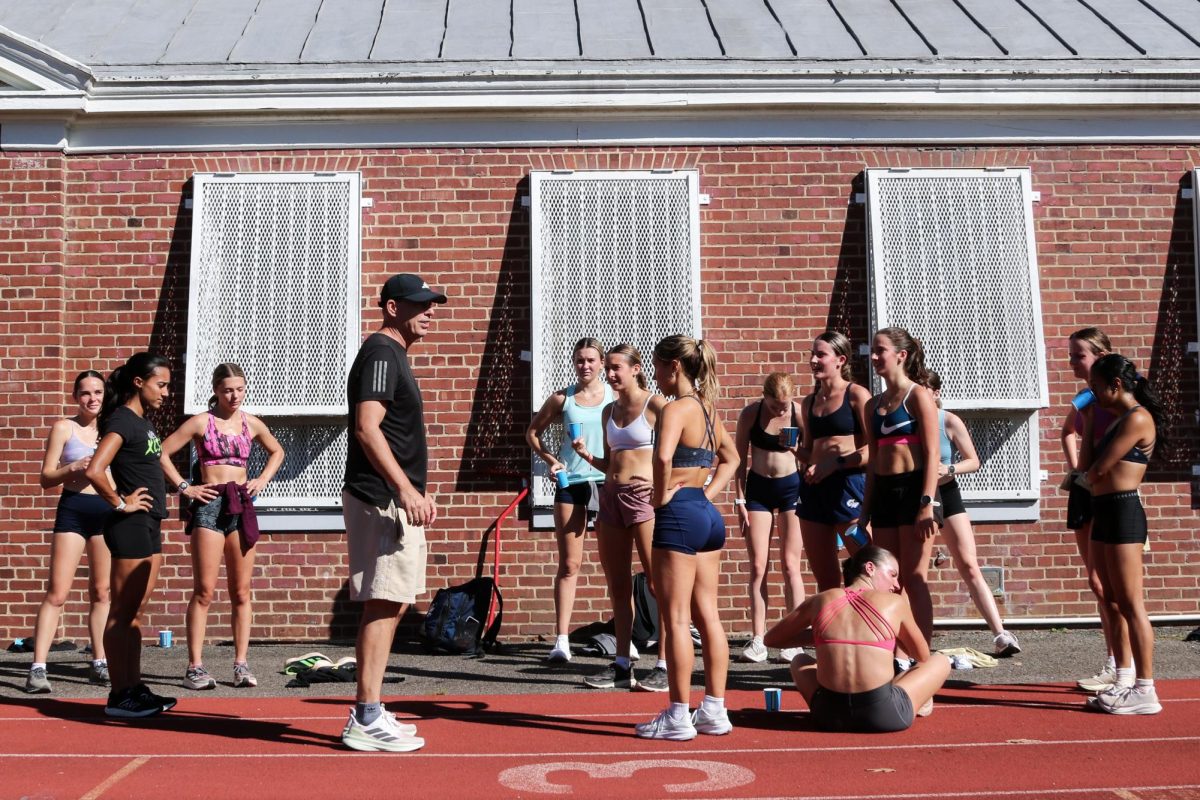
[
  {"x": 494, "y": 451},
  {"x": 168, "y": 337},
  {"x": 848, "y": 311},
  {"x": 1172, "y": 369}
]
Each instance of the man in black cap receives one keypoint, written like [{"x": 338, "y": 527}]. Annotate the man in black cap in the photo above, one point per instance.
[{"x": 384, "y": 501}]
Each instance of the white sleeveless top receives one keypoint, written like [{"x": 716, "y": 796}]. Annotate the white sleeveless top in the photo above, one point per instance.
[{"x": 637, "y": 435}]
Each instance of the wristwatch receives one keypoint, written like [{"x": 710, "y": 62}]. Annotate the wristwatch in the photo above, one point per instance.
[
  {"x": 950, "y": 469},
  {"x": 120, "y": 506},
  {"x": 183, "y": 486},
  {"x": 926, "y": 500}
]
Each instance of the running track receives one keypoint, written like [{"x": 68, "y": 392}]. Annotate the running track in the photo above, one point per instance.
[{"x": 982, "y": 741}]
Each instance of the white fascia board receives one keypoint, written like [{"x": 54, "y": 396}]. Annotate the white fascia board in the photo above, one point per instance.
[
  {"x": 31, "y": 65},
  {"x": 34, "y": 135}
]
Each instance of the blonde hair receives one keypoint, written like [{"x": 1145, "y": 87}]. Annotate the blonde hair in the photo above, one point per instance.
[
  {"x": 634, "y": 357},
  {"x": 1095, "y": 339},
  {"x": 586, "y": 343},
  {"x": 778, "y": 385},
  {"x": 697, "y": 360},
  {"x": 839, "y": 343}
]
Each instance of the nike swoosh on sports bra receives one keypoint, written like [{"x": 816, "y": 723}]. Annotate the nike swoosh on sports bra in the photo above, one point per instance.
[{"x": 887, "y": 426}]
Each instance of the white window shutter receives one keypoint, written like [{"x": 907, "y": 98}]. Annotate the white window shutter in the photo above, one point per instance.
[{"x": 614, "y": 255}]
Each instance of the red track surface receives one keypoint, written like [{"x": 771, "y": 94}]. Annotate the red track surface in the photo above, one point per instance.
[{"x": 986, "y": 741}]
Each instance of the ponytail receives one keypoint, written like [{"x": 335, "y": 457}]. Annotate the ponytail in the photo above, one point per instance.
[
  {"x": 1116, "y": 368},
  {"x": 119, "y": 387},
  {"x": 698, "y": 361},
  {"x": 634, "y": 357},
  {"x": 914, "y": 362}
]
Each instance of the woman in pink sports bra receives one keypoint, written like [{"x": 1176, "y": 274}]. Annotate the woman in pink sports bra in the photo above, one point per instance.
[
  {"x": 222, "y": 515},
  {"x": 850, "y": 686}
]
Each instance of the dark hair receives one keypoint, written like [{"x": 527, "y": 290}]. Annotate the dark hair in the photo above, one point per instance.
[
  {"x": 1116, "y": 368},
  {"x": 839, "y": 343},
  {"x": 119, "y": 386},
  {"x": 223, "y": 371},
  {"x": 634, "y": 357},
  {"x": 697, "y": 360},
  {"x": 83, "y": 376},
  {"x": 914, "y": 362},
  {"x": 855, "y": 566}
]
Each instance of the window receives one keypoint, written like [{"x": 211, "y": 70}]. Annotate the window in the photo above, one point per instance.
[
  {"x": 615, "y": 255},
  {"x": 275, "y": 288},
  {"x": 953, "y": 260}
]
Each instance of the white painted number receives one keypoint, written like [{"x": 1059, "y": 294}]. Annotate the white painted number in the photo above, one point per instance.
[{"x": 535, "y": 777}]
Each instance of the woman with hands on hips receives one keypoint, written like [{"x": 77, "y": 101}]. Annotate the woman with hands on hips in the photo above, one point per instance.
[{"x": 222, "y": 521}]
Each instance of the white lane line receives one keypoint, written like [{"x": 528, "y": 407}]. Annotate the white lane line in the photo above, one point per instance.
[
  {"x": 856, "y": 747},
  {"x": 109, "y": 782},
  {"x": 1123, "y": 791}
]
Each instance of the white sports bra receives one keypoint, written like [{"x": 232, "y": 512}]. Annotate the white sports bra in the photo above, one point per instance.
[{"x": 637, "y": 435}]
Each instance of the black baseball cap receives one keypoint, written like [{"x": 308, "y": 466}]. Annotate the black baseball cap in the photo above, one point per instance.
[{"x": 406, "y": 286}]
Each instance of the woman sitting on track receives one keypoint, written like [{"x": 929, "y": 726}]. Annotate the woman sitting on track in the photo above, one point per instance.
[
  {"x": 768, "y": 485},
  {"x": 1116, "y": 466},
  {"x": 956, "y": 529},
  {"x": 626, "y": 518},
  {"x": 835, "y": 439},
  {"x": 689, "y": 534},
  {"x": 849, "y": 687}
]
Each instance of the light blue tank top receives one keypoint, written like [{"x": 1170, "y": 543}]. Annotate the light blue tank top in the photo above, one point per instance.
[
  {"x": 593, "y": 436},
  {"x": 946, "y": 445}
]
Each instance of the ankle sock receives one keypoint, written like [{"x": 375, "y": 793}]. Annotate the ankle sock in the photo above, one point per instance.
[
  {"x": 1110, "y": 664},
  {"x": 561, "y": 642},
  {"x": 660, "y": 664},
  {"x": 366, "y": 713},
  {"x": 622, "y": 662},
  {"x": 712, "y": 705},
  {"x": 678, "y": 711},
  {"x": 1125, "y": 676},
  {"x": 99, "y": 662},
  {"x": 1144, "y": 684},
  {"x": 36, "y": 665}
]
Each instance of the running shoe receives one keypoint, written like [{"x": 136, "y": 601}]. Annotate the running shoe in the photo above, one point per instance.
[
  {"x": 37, "y": 682},
  {"x": 1005, "y": 645},
  {"x": 787, "y": 654},
  {"x": 612, "y": 677},
  {"x": 664, "y": 726},
  {"x": 559, "y": 655},
  {"x": 1098, "y": 682},
  {"x": 243, "y": 678},
  {"x": 165, "y": 703},
  {"x": 197, "y": 678},
  {"x": 385, "y": 734},
  {"x": 98, "y": 673},
  {"x": 1128, "y": 700},
  {"x": 755, "y": 651},
  {"x": 129, "y": 704},
  {"x": 655, "y": 681},
  {"x": 712, "y": 724}
]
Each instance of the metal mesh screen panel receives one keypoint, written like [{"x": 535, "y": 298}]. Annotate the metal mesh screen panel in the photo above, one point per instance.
[
  {"x": 615, "y": 256},
  {"x": 1007, "y": 452},
  {"x": 953, "y": 261},
  {"x": 274, "y": 288},
  {"x": 312, "y": 473}
]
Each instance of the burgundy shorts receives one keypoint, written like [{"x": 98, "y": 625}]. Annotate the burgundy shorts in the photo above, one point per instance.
[{"x": 623, "y": 505}]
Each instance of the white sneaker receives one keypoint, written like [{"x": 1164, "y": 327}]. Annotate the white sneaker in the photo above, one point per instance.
[
  {"x": 1005, "y": 645},
  {"x": 1128, "y": 700},
  {"x": 634, "y": 655},
  {"x": 664, "y": 726},
  {"x": 1098, "y": 682},
  {"x": 755, "y": 651},
  {"x": 712, "y": 724},
  {"x": 559, "y": 655},
  {"x": 787, "y": 654},
  {"x": 385, "y": 734}
]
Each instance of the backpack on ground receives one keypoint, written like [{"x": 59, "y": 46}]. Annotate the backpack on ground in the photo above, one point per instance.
[{"x": 456, "y": 621}]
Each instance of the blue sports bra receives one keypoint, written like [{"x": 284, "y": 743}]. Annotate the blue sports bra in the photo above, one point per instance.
[
  {"x": 696, "y": 456},
  {"x": 842, "y": 422},
  {"x": 1136, "y": 454},
  {"x": 947, "y": 446},
  {"x": 897, "y": 427}
]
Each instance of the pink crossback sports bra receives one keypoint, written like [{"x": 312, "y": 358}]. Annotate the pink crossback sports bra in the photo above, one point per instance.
[
  {"x": 217, "y": 449},
  {"x": 869, "y": 614}
]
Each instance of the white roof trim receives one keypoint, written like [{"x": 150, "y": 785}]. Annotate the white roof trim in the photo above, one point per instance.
[{"x": 26, "y": 64}]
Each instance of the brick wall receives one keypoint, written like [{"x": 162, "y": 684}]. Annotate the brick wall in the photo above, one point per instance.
[{"x": 94, "y": 259}]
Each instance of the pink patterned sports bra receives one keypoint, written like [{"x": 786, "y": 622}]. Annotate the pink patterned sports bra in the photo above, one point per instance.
[
  {"x": 221, "y": 449},
  {"x": 867, "y": 612}
]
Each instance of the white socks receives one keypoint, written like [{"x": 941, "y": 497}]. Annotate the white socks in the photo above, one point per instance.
[{"x": 711, "y": 706}]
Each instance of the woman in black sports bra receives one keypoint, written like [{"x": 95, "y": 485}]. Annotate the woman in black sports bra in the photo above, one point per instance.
[
  {"x": 1116, "y": 465},
  {"x": 835, "y": 447},
  {"x": 768, "y": 486}
]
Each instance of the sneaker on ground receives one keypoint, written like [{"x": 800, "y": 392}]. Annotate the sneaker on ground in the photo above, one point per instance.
[
  {"x": 1128, "y": 701},
  {"x": 559, "y": 655},
  {"x": 612, "y": 677},
  {"x": 787, "y": 654},
  {"x": 166, "y": 703},
  {"x": 98, "y": 673},
  {"x": 655, "y": 681},
  {"x": 243, "y": 678},
  {"x": 664, "y": 726},
  {"x": 755, "y": 651},
  {"x": 130, "y": 704},
  {"x": 37, "y": 682},
  {"x": 1005, "y": 645},
  {"x": 385, "y": 734},
  {"x": 712, "y": 724},
  {"x": 198, "y": 678},
  {"x": 1098, "y": 682}
]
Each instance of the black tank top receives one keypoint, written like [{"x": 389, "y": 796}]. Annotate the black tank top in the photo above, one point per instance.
[
  {"x": 842, "y": 422},
  {"x": 763, "y": 440}
]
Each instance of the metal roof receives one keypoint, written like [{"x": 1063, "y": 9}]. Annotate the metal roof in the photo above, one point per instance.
[{"x": 155, "y": 39}]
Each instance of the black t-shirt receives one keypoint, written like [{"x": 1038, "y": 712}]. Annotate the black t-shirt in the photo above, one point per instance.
[
  {"x": 137, "y": 463},
  {"x": 381, "y": 372}
]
